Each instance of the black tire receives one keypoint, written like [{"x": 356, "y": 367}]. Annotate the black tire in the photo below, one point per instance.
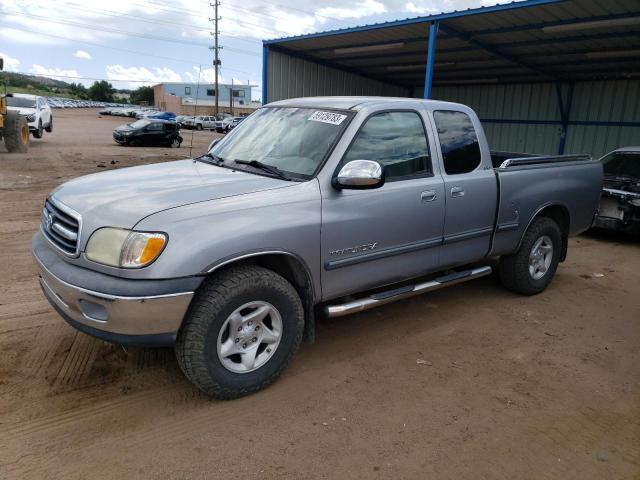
[
  {"x": 39, "y": 132},
  {"x": 16, "y": 132},
  {"x": 49, "y": 128},
  {"x": 514, "y": 269},
  {"x": 215, "y": 301},
  {"x": 175, "y": 143},
  {"x": 199, "y": 126}
]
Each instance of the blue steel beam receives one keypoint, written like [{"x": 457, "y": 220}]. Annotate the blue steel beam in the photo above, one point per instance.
[
  {"x": 565, "y": 112},
  {"x": 431, "y": 58}
]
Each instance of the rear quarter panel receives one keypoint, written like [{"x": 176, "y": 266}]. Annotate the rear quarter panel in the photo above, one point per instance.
[{"x": 525, "y": 191}]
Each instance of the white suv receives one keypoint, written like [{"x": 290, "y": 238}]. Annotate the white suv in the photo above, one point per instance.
[{"x": 35, "y": 108}]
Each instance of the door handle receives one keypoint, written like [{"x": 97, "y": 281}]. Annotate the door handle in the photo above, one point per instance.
[
  {"x": 428, "y": 195},
  {"x": 457, "y": 192}
]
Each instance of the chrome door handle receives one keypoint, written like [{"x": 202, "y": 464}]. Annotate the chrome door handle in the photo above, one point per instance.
[
  {"x": 457, "y": 192},
  {"x": 428, "y": 195}
]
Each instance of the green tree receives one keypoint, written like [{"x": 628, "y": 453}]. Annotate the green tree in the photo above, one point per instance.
[
  {"x": 142, "y": 94},
  {"x": 101, "y": 91},
  {"x": 78, "y": 90}
]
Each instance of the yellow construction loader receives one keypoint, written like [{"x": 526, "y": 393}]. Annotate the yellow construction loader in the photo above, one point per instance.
[{"x": 13, "y": 127}]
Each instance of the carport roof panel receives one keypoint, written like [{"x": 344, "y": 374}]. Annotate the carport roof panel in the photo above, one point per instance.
[{"x": 536, "y": 39}]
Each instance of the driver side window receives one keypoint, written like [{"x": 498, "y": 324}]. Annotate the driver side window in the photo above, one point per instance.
[{"x": 397, "y": 141}]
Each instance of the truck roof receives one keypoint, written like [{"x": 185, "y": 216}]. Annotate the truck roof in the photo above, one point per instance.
[{"x": 356, "y": 103}]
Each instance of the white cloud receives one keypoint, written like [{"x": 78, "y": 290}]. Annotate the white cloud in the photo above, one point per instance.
[
  {"x": 82, "y": 54},
  {"x": 419, "y": 10},
  {"x": 10, "y": 63},
  {"x": 137, "y": 76},
  {"x": 57, "y": 73},
  {"x": 207, "y": 75},
  {"x": 363, "y": 9}
]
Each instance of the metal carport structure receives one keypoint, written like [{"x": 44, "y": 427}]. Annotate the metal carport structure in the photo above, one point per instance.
[{"x": 544, "y": 75}]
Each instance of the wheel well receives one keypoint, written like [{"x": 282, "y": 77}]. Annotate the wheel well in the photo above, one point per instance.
[
  {"x": 560, "y": 215},
  {"x": 294, "y": 271}
]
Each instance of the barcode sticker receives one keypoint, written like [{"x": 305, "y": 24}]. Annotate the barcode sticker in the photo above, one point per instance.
[{"x": 327, "y": 117}]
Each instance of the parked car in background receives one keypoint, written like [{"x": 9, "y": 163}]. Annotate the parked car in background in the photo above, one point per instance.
[
  {"x": 35, "y": 108},
  {"x": 620, "y": 202},
  {"x": 162, "y": 116},
  {"x": 223, "y": 126},
  {"x": 334, "y": 204},
  {"x": 200, "y": 123},
  {"x": 149, "y": 132},
  {"x": 235, "y": 122}
]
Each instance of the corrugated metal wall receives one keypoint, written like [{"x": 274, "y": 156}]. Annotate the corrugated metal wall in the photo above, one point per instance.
[
  {"x": 291, "y": 77},
  {"x": 606, "y": 102},
  {"x": 612, "y": 101},
  {"x": 512, "y": 102}
]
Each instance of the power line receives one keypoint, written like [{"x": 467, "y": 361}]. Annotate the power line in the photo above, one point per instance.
[
  {"x": 118, "y": 31},
  {"x": 103, "y": 29}
]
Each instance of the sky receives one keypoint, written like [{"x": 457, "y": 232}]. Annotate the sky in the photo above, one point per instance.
[{"x": 143, "y": 42}]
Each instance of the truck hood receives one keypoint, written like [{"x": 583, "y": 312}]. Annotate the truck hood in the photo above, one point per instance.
[{"x": 123, "y": 197}]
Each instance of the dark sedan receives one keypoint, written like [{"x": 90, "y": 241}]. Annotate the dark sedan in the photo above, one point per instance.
[{"x": 149, "y": 132}]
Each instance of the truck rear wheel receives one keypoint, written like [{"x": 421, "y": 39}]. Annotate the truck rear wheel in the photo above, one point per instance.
[
  {"x": 530, "y": 270},
  {"x": 241, "y": 331},
  {"x": 16, "y": 132}
]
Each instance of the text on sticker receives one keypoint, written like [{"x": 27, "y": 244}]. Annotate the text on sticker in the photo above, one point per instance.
[{"x": 327, "y": 117}]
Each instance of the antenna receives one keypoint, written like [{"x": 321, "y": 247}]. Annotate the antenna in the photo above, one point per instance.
[
  {"x": 216, "y": 49},
  {"x": 195, "y": 109}
]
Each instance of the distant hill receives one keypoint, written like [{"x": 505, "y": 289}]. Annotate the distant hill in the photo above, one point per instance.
[
  {"x": 39, "y": 85},
  {"x": 36, "y": 81}
]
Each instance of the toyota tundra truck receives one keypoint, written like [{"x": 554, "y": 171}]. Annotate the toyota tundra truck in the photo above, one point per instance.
[{"x": 311, "y": 206}]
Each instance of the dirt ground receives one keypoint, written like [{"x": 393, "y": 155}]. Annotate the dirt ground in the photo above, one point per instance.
[{"x": 471, "y": 382}]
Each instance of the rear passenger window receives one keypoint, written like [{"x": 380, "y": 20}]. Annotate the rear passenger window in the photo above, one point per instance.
[
  {"x": 458, "y": 141},
  {"x": 397, "y": 141}
]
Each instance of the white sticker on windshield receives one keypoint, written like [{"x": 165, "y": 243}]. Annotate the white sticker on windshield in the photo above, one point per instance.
[{"x": 328, "y": 117}]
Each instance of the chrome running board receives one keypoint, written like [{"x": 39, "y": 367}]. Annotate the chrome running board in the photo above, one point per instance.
[{"x": 382, "y": 298}]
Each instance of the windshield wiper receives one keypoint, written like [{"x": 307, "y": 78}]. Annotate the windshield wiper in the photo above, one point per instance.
[
  {"x": 263, "y": 166},
  {"x": 214, "y": 159}
]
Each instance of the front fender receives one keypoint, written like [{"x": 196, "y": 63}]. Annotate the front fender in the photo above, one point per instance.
[{"x": 207, "y": 235}]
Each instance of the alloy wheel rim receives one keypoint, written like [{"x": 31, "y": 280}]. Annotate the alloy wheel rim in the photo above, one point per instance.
[
  {"x": 540, "y": 257},
  {"x": 249, "y": 337}
]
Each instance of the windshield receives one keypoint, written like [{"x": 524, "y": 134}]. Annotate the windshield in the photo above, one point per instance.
[
  {"x": 294, "y": 140},
  {"x": 21, "y": 102},
  {"x": 139, "y": 123},
  {"x": 622, "y": 164}
]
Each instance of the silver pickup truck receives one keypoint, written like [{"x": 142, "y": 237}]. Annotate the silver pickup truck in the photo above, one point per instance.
[{"x": 310, "y": 206}]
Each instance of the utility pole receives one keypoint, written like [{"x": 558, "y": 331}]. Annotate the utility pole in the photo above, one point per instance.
[
  {"x": 231, "y": 97},
  {"x": 216, "y": 49}
]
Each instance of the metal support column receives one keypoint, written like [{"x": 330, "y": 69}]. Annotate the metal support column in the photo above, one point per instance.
[
  {"x": 431, "y": 58},
  {"x": 265, "y": 65},
  {"x": 565, "y": 112}
]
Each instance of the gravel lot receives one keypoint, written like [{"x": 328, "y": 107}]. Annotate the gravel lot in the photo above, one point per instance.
[{"x": 465, "y": 383}]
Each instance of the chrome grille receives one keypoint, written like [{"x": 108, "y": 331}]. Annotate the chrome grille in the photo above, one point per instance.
[{"x": 61, "y": 226}]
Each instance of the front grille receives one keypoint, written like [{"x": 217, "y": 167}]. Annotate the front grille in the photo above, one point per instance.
[{"x": 61, "y": 226}]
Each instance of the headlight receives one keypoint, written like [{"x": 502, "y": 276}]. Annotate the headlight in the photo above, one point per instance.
[
  {"x": 125, "y": 248},
  {"x": 31, "y": 117}
]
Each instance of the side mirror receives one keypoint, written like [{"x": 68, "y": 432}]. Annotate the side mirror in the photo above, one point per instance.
[{"x": 360, "y": 174}]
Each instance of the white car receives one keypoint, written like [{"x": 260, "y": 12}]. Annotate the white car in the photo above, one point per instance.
[
  {"x": 35, "y": 108},
  {"x": 200, "y": 123}
]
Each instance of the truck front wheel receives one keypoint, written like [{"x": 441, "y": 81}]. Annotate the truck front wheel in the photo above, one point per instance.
[
  {"x": 531, "y": 268},
  {"x": 241, "y": 330}
]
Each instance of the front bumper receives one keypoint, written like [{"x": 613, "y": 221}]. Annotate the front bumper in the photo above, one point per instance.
[{"x": 118, "y": 310}]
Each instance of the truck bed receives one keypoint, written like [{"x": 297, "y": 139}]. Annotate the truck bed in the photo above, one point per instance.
[{"x": 529, "y": 183}]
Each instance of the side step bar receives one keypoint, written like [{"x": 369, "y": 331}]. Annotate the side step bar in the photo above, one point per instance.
[{"x": 389, "y": 296}]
